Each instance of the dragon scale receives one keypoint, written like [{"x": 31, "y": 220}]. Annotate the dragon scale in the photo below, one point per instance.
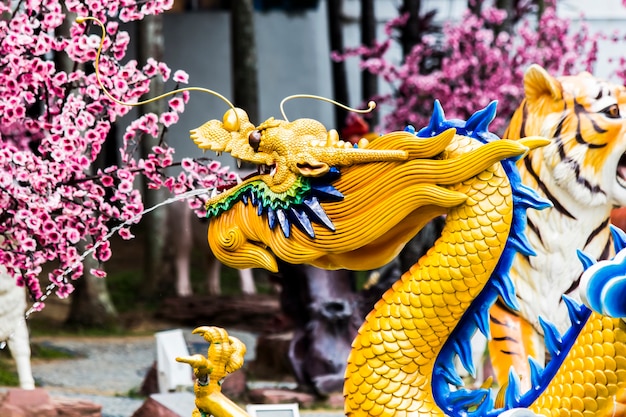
[
  {"x": 393, "y": 355},
  {"x": 593, "y": 375}
]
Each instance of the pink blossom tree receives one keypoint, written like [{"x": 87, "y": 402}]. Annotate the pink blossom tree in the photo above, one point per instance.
[
  {"x": 475, "y": 60},
  {"x": 53, "y": 125}
]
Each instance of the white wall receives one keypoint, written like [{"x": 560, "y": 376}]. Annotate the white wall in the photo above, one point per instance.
[
  {"x": 605, "y": 16},
  {"x": 294, "y": 58}
]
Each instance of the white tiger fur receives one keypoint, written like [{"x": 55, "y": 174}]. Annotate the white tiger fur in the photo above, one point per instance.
[
  {"x": 582, "y": 172},
  {"x": 13, "y": 327}
]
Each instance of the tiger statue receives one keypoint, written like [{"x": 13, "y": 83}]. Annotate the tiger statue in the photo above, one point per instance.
[{"x": 583, "y": 173}]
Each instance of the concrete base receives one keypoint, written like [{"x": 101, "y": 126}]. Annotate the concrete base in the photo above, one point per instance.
[
  {"x": 37, "y": 403},
  {"x": 175, "y": 404}
]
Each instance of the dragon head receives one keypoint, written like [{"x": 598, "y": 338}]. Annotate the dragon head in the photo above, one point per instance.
[
  {"x": 353, "y": 206},
  {"x": 282, "y": 150}
]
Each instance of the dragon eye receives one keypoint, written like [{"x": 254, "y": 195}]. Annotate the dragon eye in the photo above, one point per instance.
[
  {"x": 254, "y": 139},
  {"x": 612, "y": 111}
]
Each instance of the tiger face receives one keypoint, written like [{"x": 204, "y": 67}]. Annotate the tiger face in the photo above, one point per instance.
[{"x": 585, "y": 119}]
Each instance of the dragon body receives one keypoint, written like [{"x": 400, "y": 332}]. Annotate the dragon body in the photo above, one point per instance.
[{"x": 316, "y": 200}]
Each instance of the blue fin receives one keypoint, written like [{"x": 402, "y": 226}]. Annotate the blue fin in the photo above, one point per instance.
[
  {"x": 585, "y": 259},
  {"x": 619, "y": 238},
  {"x": 506, "y": 290},
  {"x": 536, "y": 371},
  {"x": 481, "y": 318},
  {"x": 285, "y": 225},
  {"x": 526, "y": 197},
  {"x": 302, "y": 221},
  {"x": 271, "y": 218},
  {"x": 448, "y": 373},
  {"x": 327, "y": 192},
  {"x": 479, "y": 122},
  {"x": 552, "y": 337},
  {"x": 317, "y": 212},
  {"x": 436, "y": 120},
  {"x": 520, "y": 243},
  {"x": 512, "y": 394},
  {"x": 576, "y": 311},
  {"x": 464, "y": 350}
]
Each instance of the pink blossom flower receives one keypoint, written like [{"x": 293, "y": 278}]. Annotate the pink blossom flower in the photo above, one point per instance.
[
  {"x": 99, "y": 273},
  {"x": 177, "y": 104},
  {"x": 125, "y": 233},
  {"x": 169, "y": 118},
  {"x": 181, "y": 76}
]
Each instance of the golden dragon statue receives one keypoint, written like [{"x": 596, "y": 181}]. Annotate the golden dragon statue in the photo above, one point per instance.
[{"x": 318, "y": 200}]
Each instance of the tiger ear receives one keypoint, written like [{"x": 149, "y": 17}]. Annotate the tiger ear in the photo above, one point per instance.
[{"x": 537, "y": 82}]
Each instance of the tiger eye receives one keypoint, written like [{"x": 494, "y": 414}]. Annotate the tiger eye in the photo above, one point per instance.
[
  {"x": 612, "y": 111},
  {"x": 254, "y": 139}
]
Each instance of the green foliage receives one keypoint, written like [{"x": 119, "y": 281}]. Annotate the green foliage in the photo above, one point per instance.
[{"x": 8, "y": 374}]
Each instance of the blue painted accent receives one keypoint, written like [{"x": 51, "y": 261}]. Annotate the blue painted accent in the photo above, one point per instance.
[
  {"x": 301, "y": 220},
  {"x": 619, "y": 238},
  {"x": 284, "y": 222},
  {"x": 314, "y": 208},
  {"x": 512, "y": 394},
  {"x": 410, "y": 129},
  {"x": 481, "y": 318},
  {"x": 448, "y": 373},
  {"x": 505, "y": 289},
  {"x": 535, "y": 372},
  {"x": 576, "y": 311},
  {"x": 585, "y": 259},
  {"x": 302, "y": 209},
  {"x": 464, "y": 352},
  {"x": 271, "y": 219},
  {"x": 606, "y": 286},
  {"x": 327, "y": 192},
  {"x": 526, "y": 197},
  {"x": 465, "y": 398},
  {"x": 552, "y": 337},
  {"x": 458, "y": 402},
  {"x": 479, "y": 121}
]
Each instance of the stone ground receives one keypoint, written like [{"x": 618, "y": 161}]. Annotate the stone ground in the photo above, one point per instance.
[{"x": 110, "y": 370}]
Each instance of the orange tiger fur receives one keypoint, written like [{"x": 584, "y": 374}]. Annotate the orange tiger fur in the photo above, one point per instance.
[{"x": 584, "y": 175}]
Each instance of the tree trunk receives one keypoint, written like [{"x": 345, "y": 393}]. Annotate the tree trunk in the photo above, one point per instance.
[
  {"x": 507, "y": 24},
  {"x": 340, "y": 83},
  {"x": 150, "y": 45},
  {"x": 244, "y": 58},
  {"x": 369, "y": 81},
  {"x": 475, "y": 6},
  {"x": 411, "y": 32},
  {"x": 91, "y": 305},
  {"x": 541, "y": 7}
]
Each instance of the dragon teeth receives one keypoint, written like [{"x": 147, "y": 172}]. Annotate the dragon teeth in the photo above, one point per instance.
[{"x": 332, "y": 137}]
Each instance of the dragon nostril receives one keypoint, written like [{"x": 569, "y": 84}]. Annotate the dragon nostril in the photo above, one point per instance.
[{"x": 254, "y": 139}]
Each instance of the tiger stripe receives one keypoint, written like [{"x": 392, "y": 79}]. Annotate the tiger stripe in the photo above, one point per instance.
[{"x": 578, "y": 171}]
